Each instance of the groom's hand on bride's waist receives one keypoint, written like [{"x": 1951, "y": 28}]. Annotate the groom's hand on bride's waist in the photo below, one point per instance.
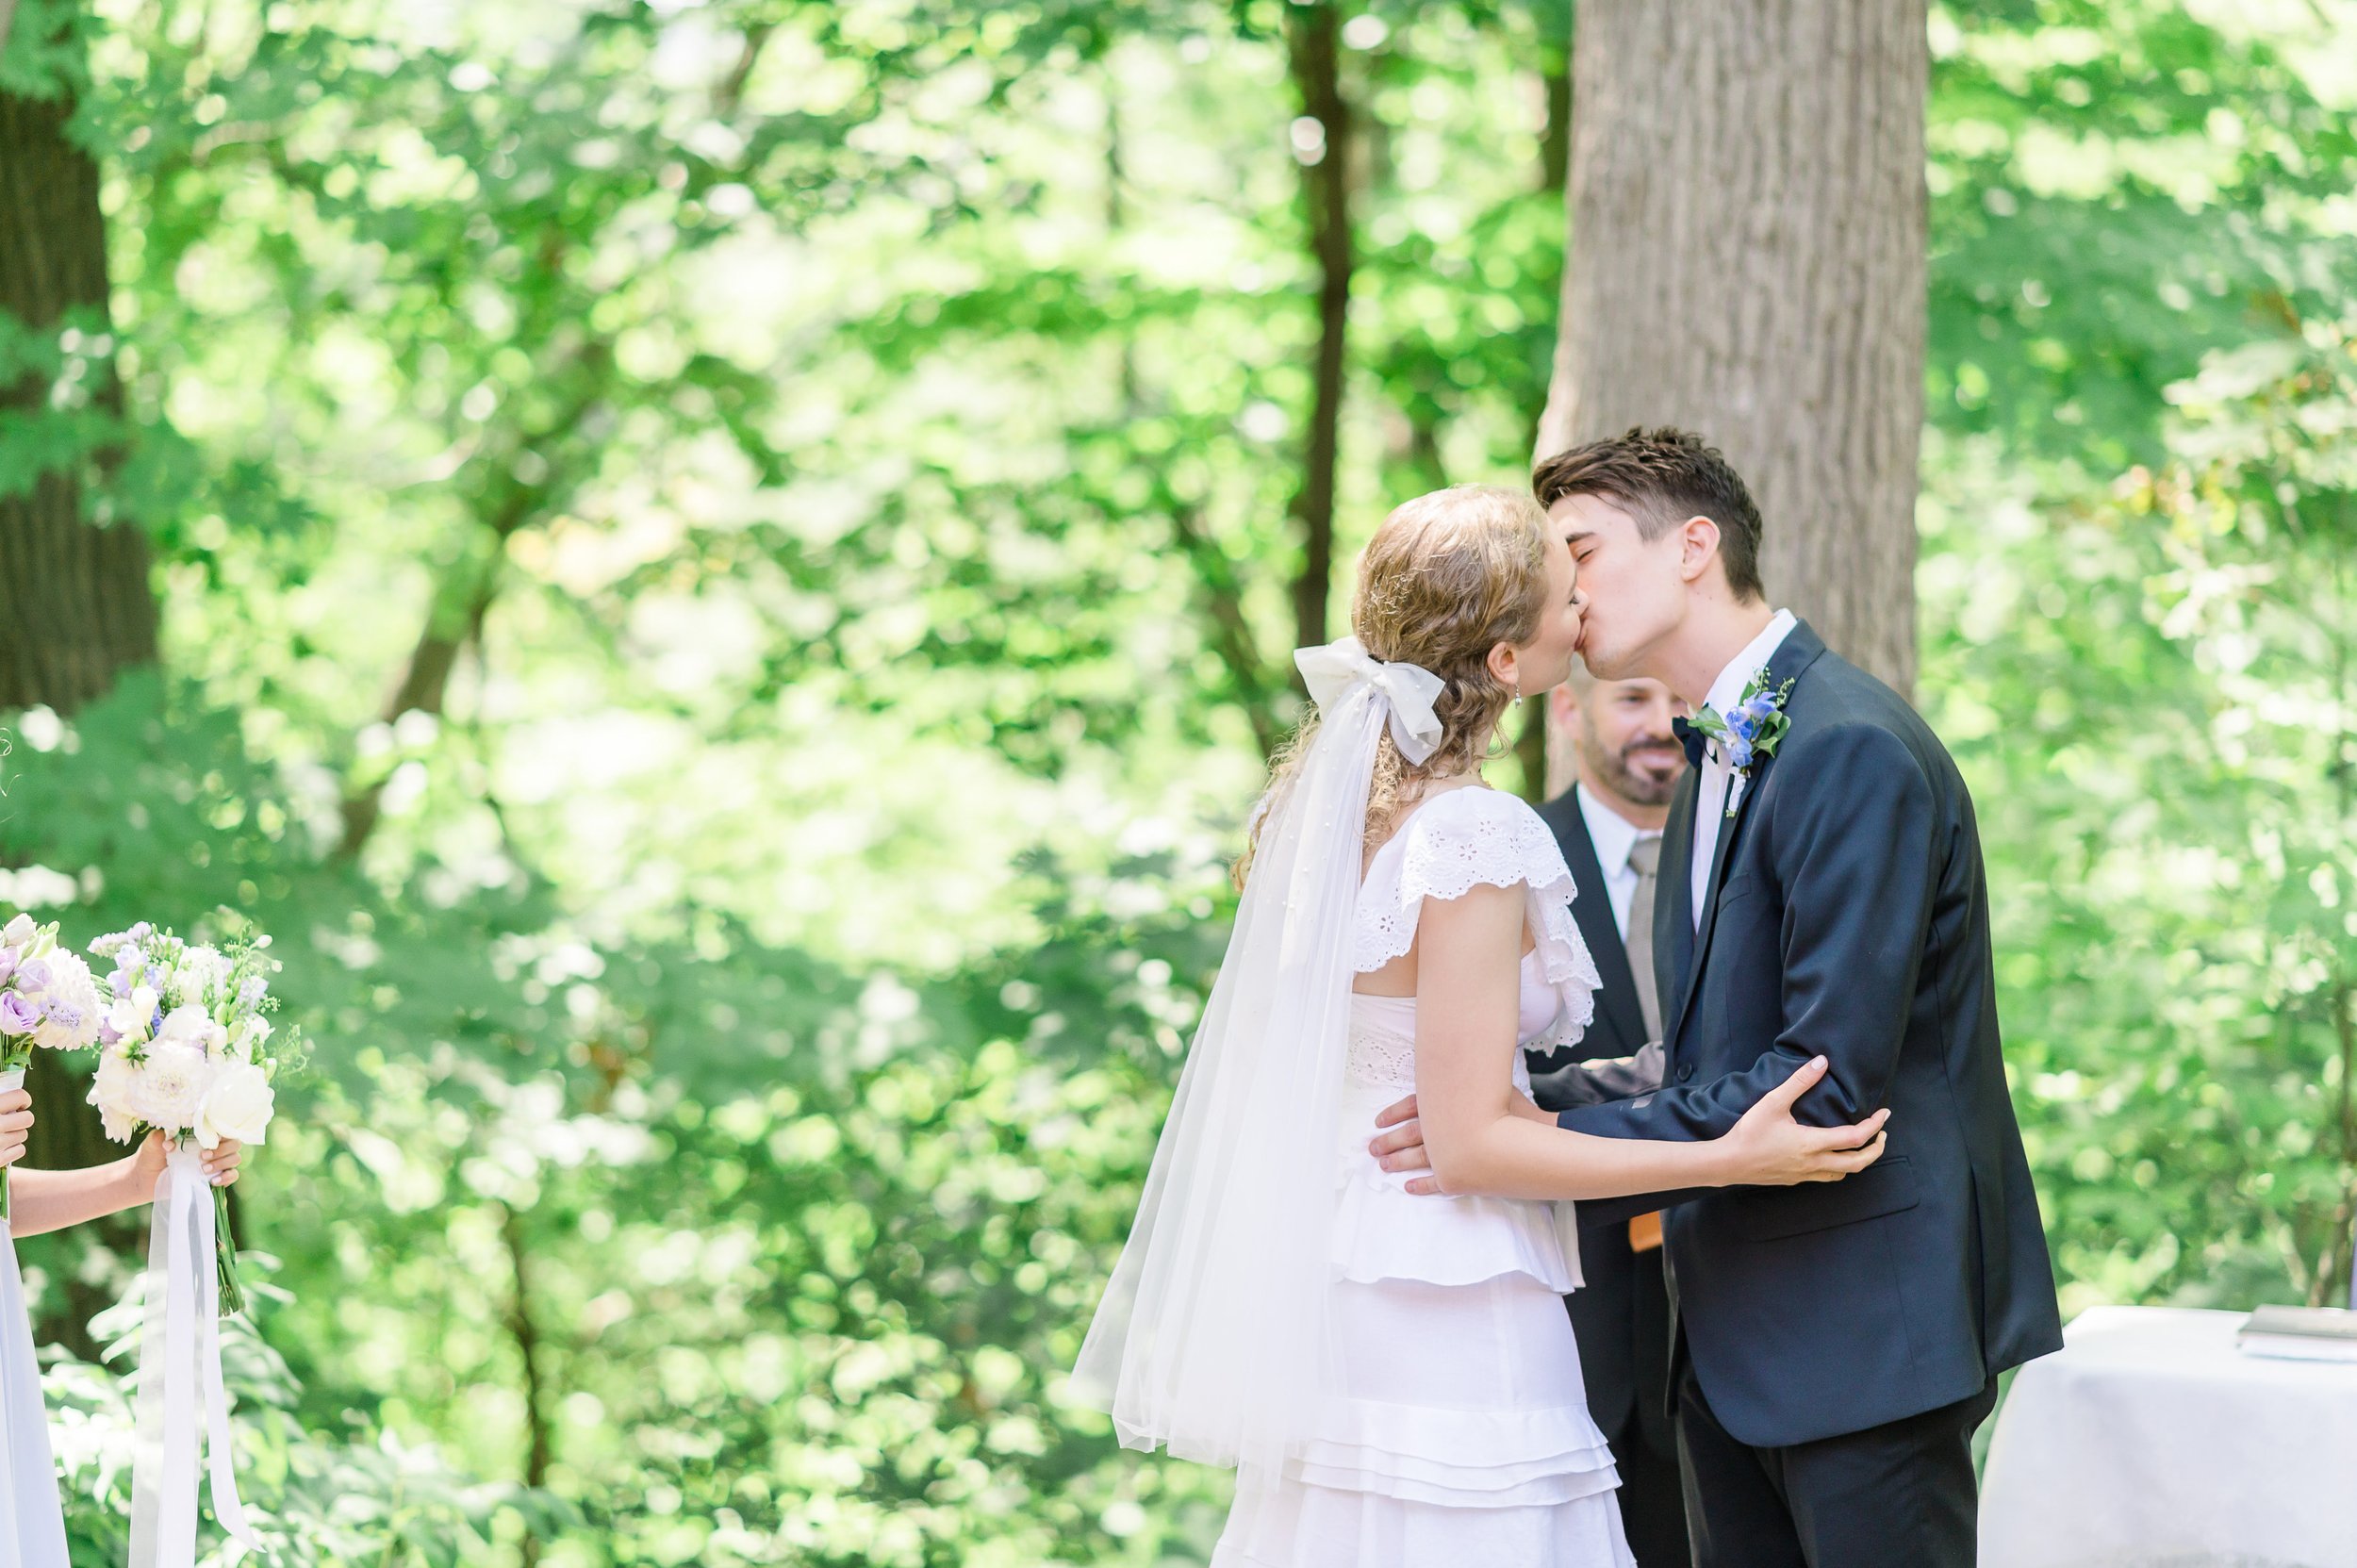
[{"x": 1399, "y": 1142}]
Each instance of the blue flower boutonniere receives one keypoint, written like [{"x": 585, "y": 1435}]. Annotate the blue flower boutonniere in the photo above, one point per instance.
[{"x": 1752, "y": 731}]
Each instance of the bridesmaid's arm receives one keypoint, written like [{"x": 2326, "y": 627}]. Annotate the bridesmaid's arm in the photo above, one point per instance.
[{"x": 44, "y": 1201}]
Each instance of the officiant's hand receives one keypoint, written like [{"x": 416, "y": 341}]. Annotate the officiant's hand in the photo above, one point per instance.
[
  {"x": 16, "y": 1120},
  {"x": 1769, "y": 1148}
]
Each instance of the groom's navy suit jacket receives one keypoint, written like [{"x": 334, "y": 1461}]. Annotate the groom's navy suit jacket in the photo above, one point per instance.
[{"x": 1848, "y": 916}]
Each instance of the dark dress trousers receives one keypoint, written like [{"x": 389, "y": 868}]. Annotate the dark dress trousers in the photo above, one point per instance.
[
  {"x": 1621, "y": 1312},
  {"x": 1852, "y": 1328}
]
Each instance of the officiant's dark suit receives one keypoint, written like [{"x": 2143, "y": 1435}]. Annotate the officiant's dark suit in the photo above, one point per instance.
[
  {"x": 1621, "y": 1313},
  {"x": 1837, "y": 1341}
]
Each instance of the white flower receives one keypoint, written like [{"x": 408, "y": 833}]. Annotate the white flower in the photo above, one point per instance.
[
  {"x": 132, "y": 1014},
  {"x": 167, "y": 1090},
  {"x": 252, "y": 1037},
  {"x": 111, "y": 1094},
  {"x": 68, "y": 1004},
  {"x": 198, "y": 970},
  {"x": 18, "y": 931},
  {"x": 238, "y": 1105},
  {"x": 190, "y": 1024}
]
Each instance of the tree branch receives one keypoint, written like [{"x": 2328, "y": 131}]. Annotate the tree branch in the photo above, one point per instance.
[
  {"x": 1231, "y": 634},
  {"x": 1312, "y": 40}
]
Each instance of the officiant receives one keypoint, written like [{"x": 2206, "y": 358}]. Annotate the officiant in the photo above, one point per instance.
[{"x": 1625, "y": 765}]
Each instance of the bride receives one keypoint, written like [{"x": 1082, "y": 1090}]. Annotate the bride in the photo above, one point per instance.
[{"x": 1394, "y": 1376}]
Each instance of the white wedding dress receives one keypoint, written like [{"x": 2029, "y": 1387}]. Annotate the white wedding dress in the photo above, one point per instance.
[{"x": 1460, "y": 1434}]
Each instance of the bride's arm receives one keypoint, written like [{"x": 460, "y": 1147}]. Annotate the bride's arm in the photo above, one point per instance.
[{"x": 1481, "y": 1140}]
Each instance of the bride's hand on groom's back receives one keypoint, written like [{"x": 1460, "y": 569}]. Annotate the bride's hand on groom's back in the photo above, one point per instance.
[{"x": 1769, "y": 1148}]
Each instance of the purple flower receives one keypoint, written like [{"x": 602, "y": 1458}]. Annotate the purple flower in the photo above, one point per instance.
[
  {"x": 34, "y": 976},
  {"x": 8, "y": 964},
  {"x": 19, "y": 1014},
  {"x": 108, "y": 1033},
  {"x": 65, "y": 1014}
]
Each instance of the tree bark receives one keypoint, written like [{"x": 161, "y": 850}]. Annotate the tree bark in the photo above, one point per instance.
[
  {"x": 1313, "y": 46},
  {"x": 1746, "y": 260},
  {"x": 75, "y": 607}
]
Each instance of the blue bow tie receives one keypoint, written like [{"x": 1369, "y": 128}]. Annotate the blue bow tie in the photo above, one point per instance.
[{"x": 1695, "y": 742}]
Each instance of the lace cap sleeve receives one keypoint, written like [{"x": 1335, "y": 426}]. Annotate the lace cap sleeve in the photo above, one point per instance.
[{"x": 1448, "y": 846}]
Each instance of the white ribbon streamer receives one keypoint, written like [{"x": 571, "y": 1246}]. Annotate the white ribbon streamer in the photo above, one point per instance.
[
  {"x": 1409, "y": 690},
  {"x": 32, "y": 1520},
  {"x": 179, "y": 1380}
]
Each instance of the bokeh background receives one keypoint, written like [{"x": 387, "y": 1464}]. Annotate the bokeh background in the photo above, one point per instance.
[{"x": 721, "y": 575}]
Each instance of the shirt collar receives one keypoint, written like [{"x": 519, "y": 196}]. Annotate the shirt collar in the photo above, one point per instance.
[
  {"x": 1728, "y": 688},
  {"x": 1612, "y": 833}
]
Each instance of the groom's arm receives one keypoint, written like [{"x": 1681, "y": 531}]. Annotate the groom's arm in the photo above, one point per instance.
[{"x": 1857, "y": 850}]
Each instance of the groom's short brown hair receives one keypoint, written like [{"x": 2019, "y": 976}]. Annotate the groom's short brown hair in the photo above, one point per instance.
[{"x": 1660, "y": 478}]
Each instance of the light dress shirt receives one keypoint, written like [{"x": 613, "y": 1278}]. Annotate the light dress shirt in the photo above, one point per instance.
[{"x": 1719, "y": 789}]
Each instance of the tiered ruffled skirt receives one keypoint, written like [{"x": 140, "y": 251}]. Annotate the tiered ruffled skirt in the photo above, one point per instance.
[{"x": 1461, "y": 1434}]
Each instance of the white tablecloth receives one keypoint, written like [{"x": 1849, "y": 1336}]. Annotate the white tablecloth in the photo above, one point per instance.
[{"x": 2150, "y": 1442}]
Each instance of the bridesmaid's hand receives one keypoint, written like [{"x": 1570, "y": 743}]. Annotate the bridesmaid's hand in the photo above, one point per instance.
[
  {"x": 220, "y": 1163},
  {"x": 16, "y": 1120}
]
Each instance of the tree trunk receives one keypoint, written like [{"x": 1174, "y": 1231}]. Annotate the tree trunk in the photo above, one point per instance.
[
  {"x": 1746, "y": 260},
  {"x": 1314, "y": 43},
  {"x": 75, "y": 606},
  {"x": 1533, "y": 749}
]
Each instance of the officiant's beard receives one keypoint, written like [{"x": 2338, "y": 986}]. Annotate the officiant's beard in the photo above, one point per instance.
[{"x": 1644, "y": 772}]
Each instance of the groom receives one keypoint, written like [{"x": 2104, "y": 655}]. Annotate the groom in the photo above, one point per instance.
[{"x": 1821, "y": 892}]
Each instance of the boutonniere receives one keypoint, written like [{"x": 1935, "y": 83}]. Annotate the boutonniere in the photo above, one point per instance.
[{"x": 1752, "y": 731}]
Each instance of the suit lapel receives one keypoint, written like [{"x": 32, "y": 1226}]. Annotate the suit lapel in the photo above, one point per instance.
[
  {"x": 1592, "y": 910},
  {"x": 1674, "y": 903},
  {"x": 1789, "y": 662}
]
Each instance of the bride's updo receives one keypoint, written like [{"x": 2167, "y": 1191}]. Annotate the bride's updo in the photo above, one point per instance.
[{"x": 1449, "y": 577}]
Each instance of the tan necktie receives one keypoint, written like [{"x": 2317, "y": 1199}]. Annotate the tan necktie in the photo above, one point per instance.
[{"x": 1645, "y": 858}]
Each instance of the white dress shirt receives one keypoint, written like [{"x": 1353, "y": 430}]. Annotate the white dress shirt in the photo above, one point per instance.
[
  {"x": 1614, "y": 835},
  {"x": 1719, "y": 789}
]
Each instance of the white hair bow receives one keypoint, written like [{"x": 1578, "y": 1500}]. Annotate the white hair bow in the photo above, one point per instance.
[{"x": 1333, "y": 671}]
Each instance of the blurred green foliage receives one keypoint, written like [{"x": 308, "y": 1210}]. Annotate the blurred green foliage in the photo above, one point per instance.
[{"x": 847, "y": 445}]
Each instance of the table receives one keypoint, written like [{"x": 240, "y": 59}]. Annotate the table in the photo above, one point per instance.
[{"x": 2150, "y": 1442}]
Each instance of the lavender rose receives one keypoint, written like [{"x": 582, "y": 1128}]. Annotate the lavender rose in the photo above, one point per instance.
[{"x": 19, "y": 1014}]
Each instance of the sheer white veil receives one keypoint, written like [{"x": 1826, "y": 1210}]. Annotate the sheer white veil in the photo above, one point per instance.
[{"x": 1210, "y": 1338}]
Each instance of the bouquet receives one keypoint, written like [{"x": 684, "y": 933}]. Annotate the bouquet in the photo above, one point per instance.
[
  {"x": 47, "y": 998},
  {"x": 186, "y": 1048}
]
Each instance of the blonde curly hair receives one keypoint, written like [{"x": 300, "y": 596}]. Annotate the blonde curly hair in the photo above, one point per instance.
[{"x": 1449, "y": 577}]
